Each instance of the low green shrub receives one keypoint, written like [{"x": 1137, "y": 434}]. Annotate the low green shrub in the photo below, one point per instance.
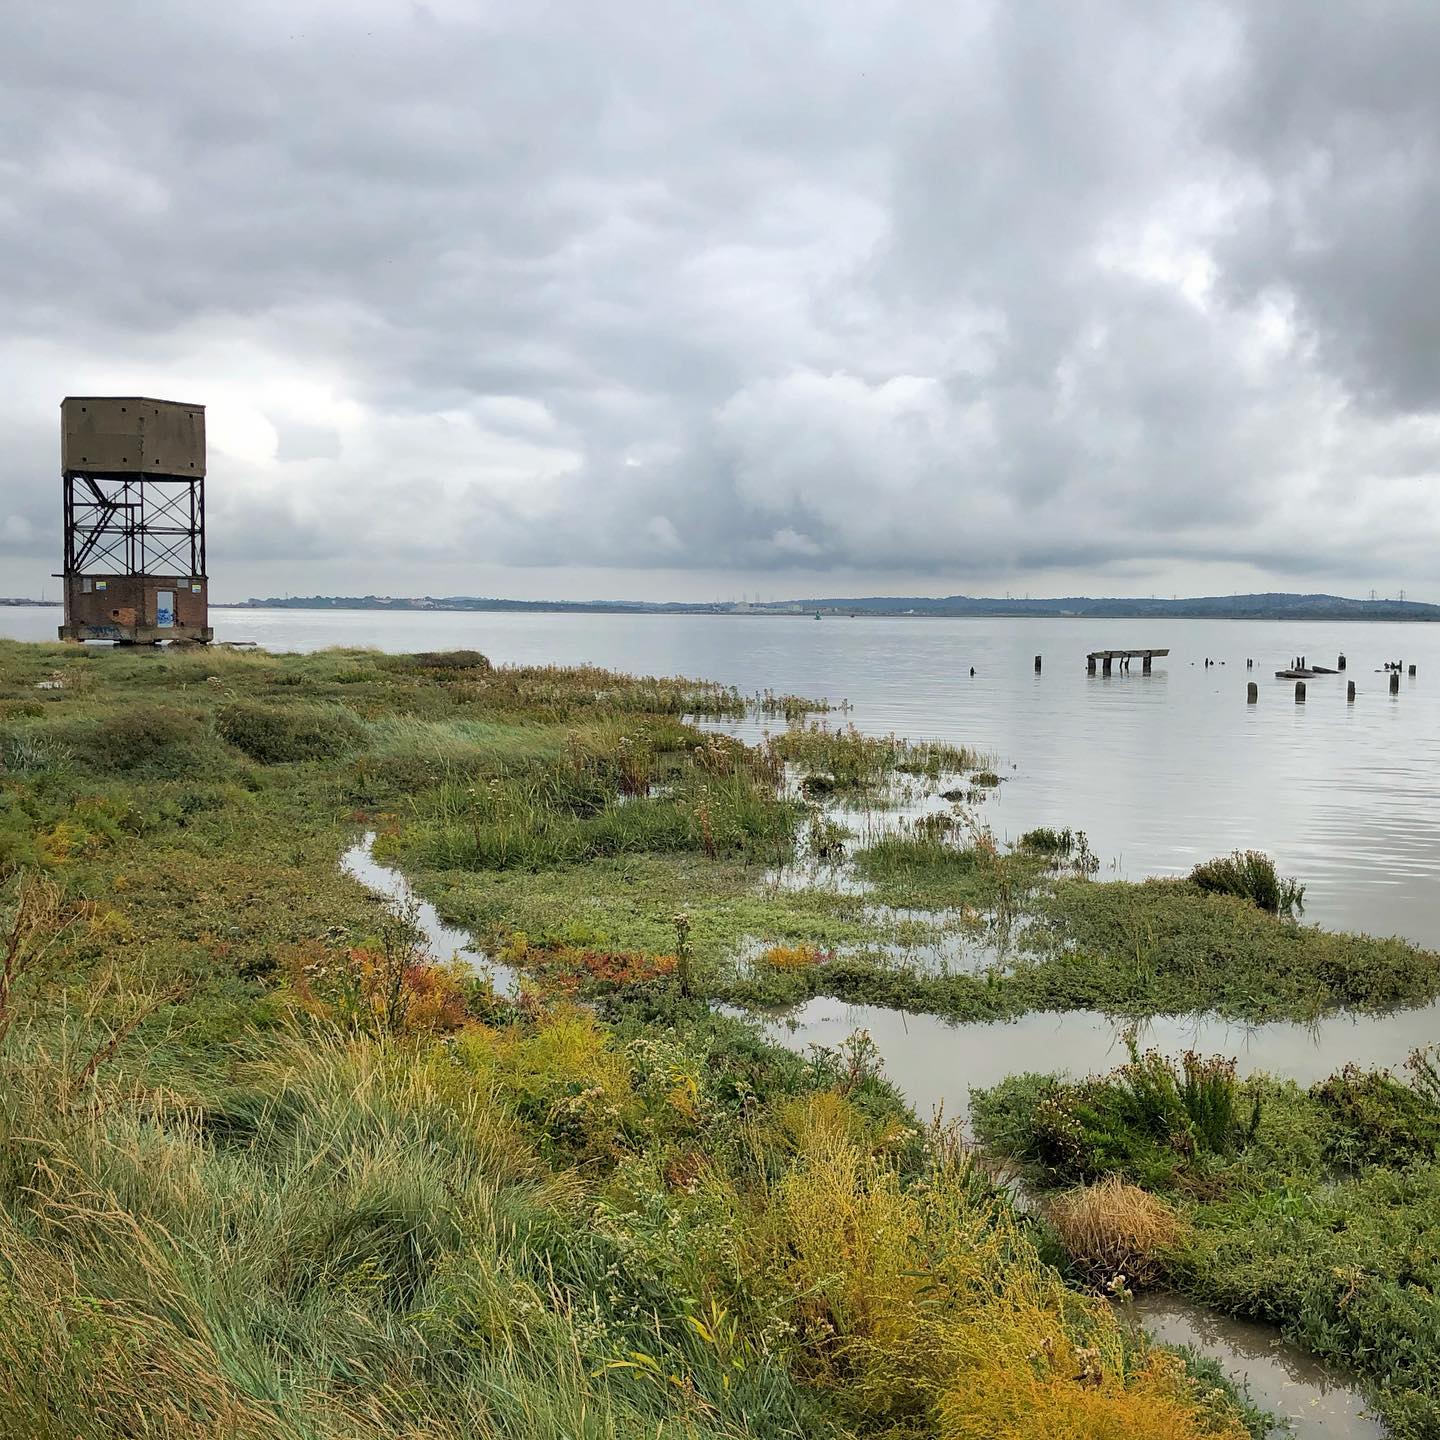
[
  {"x": 1147, "y": 1121},
  {"x": 279, "y": 734},
  {"x": 1252, "y": 876},
  {"x": 153, "y": 742},
  {"x": 1376, "y": 1119},
  {"x": 1168, "y": 947},
  {"x": 451, "y": 660},
  {"x": 1347, "y": 1268}
]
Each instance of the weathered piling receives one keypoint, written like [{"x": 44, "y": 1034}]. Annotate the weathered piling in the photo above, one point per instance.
[
  {"x": 1145, "y": 666},
  {"x": 1394, "y": 682},
  {"x": 1037, "y": 664},
  {"x": 1350, "y": 691},
  {"x": 1107, "y": 659},
  {"x": 1412, "y": 669},
  {"x": 1340, "y": 663},
  {"x": 1249, "y": 664},
  {"x": 1299, "y": 692},
  {"x": 1252, "y": 693}
]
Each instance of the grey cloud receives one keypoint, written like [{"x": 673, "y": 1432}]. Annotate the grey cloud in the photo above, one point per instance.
[
  {"x": 975, "y": 294},
  {"x": 1336, "y": 114}
]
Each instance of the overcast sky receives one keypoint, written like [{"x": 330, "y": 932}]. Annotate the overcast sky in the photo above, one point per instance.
[{"x": 692, "y": 300}]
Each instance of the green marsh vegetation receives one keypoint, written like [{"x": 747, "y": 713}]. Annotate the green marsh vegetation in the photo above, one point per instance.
[
  {"x": 1251, "y": 876},
  {"x": 1227, "y": 942},
  {"x": 1314, "y": 1209},
  {"x": 847, "y": 762},
  {"x": 267, "y": 1170}
]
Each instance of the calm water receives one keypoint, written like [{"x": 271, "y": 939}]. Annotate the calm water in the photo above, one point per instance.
[
  {"x": 1309, "y": 1398},
  {"x": 935, "y": 1063},
  {"x": 1161, "y": 771}
]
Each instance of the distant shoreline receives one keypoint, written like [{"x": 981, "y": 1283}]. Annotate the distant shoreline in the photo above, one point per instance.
[
  {"x": 1266, "y": 605},
  {"x": 1266, "y": 608},
  {"x": 1307, "y": 618}
]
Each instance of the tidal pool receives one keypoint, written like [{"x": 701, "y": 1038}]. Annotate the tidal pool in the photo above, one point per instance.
[{"x": 936, "y": 1063}]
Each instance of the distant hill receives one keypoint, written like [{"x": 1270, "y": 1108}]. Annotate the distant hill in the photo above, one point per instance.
[{"x": 1271, "y": 606}]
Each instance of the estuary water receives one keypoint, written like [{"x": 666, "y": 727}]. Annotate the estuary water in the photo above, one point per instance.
[{"x": 1160, "y": 771}]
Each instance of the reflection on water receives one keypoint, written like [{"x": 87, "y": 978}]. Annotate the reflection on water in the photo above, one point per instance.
[
  {"x": 1280, "y": 1377},
  {"x": 442, "y": 941},
  {"x": 936, "y": 1063}
]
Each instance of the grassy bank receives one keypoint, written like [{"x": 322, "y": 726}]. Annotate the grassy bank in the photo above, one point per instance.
[
  {"x": 268, "y": 1170},
  {"x": 1317, "y": 1210}
]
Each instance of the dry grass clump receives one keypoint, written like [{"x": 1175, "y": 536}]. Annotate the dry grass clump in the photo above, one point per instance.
[
  {"x": 1114, "y": 1228},
  {"x": 791, "y": 957}
]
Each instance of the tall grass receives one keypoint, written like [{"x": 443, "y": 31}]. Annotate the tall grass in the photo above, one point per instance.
[
  {"x": 931, "y": 1300},
  {"x": 715, "y": 796},
  {"x": 537, "y": 1224},
  {"x": 352, "y": 1247},
  {"x": 935, "y": 861}
]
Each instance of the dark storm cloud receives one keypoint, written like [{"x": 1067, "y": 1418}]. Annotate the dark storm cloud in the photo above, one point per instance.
[
  {"x": 977, "y": 292},
  {"x": 1337, "y": 112}
]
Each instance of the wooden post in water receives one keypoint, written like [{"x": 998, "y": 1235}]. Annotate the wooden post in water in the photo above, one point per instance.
[
  {"x": 1394, "y": 682},
  {"x": 1412, "y": 670},
  {"x": 1037, "y": 664},
  {"x": 1107, "y": 665},
  {"x": 1340, "y": 663},
  {"x": 1249, "y": 664},
  {"x": 1252, "y": 693},
  {"x": 1089, "y": 664},
  {"x": 1299, "y": 692},
  {"x": 1350, "y": 691}
]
